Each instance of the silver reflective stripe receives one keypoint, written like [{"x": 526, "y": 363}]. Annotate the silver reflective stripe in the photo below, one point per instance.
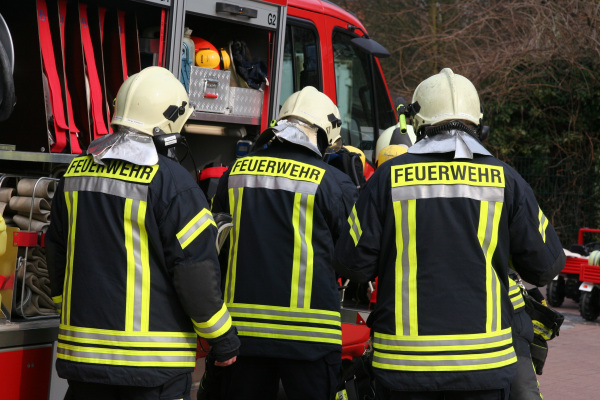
[
  {"x": 133, "y": 339},
  {"x": 405, "y": 268},
  {"x": 273, "y": 182},
  {"x": 193, "y": 230},
  {"x": 119, "y": 355},
  {"x": 448, "y": 191},
  {"x": 277, "y": 314},
  {"x": 424, "y": 361},
  {"x": 355, "y": 229},
  {"x": 114, "y": 187},
  {"x": 136, "y": 251},
  {"x": 419, "y": 342},
  {"x": 489, "y": 231},
  {"x": 287, "y": 332},
  {"x": 234, "y": 235},
  {"x": 517, "y": 301},
  {"x": 216, "y": 326},
  {"x": 303, "y": 250},
  {"x": 66, "y": 310}
]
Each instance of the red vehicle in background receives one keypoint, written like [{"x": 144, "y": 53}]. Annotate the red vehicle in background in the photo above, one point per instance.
[{"x": 568, "y": 282}]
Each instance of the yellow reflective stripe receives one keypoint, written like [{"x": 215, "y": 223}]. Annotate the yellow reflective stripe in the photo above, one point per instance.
[
  {"x": 195, "y": 227},
  {"x": 289, "y": 332},
  {"x": 130, "y": 296},
  {"x": 487, "y": 233},
  {"x": 406, "y": 311},
  {"x": 216, "y": 326},
  {"x": 461, "y": 362},
  {"x": 542, "y": 330},
  {"x": 308, "y": 279},
  {"x": 71, "y": 202},
  {"x": 435, "y": 348},
  {"x": 108, "y": 332},
  {"x": 302, "y": 267},
  {"x": 133, "y": 358},
  {"x": 398, "y": 217},
  {"x": 57, "y": 299},
  {"x": 279, "y": 310},
  {"x": 355, "y": 228},
  {"x": 514, "y": 293},
  {"x": 543, "y": 224},
  {"x": 145, "y": 259},
  {"x": 235, "y": 207},
  {"x": 412, "y": 276},
  {"x": 297, "y": 250}
]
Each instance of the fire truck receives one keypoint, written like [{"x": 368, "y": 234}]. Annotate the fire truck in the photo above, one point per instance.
[{"x": 61, "y": 65}]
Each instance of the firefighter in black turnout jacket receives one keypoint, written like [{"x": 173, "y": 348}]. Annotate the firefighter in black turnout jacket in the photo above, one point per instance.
[
  {"x": 288, "y": 209},
  {"x": 132, "y": 257},
  {"x": 440, "y": 226}
]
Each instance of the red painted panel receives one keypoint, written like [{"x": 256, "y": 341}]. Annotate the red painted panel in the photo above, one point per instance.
[{"x": 25, "y": 373}]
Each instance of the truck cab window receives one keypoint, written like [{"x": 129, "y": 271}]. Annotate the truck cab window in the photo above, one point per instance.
[
  {"x": 301, "y": 66},
  {"x": 361, "y": 95}
]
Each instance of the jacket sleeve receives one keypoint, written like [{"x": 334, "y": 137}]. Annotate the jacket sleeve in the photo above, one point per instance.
[
  {"x": 536, "y": 252},
  {"x": 357, "y": 250},
  {"x": 56, "y": 245},
  {"x": 190, "y": 232}
]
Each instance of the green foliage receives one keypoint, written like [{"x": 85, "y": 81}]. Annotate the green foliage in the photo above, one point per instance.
[{"x": 537, "y": 68}]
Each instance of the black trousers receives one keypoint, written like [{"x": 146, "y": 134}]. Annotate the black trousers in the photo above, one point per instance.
[
  {"x": 178, "y": 388},
  {"x": 258, "y": 378}
]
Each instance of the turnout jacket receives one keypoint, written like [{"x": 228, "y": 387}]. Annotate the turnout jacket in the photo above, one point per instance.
[
  {"x": 440, "y": 233},
  {"x": 288, "y": 209},
  {"x": 133, "y": 266}
]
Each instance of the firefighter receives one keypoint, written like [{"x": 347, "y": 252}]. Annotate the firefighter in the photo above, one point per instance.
[
  {"x": 439, "y": 226},
  {"x": 132, "y": 258},
  {"x": 288, "y": 209}
]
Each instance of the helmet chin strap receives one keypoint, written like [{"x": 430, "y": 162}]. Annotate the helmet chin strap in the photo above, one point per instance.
[{"x": 428, "y": 130}]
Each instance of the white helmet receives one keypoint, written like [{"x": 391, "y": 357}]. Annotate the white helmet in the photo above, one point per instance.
[
  {"x": 316, "y": 109},
  {"x": 393, "y": 136},
  {"x": 445, "y": 97},
  {"x": 152, "y": 102}
]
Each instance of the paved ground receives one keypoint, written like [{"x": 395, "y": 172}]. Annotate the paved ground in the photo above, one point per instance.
[{"x": 572, "y": 370}]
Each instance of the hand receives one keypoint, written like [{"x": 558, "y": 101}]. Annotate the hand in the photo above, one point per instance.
[{"x": 226, "y": 363}]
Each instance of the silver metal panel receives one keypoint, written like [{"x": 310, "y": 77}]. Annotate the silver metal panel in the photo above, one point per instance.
[
  {"x": 267, "y": 14},
  {"x": 209, "y": 90},
  {"x": 247, "y": 102}
]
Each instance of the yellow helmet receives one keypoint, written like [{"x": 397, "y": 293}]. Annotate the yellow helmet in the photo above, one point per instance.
[
  {"x": 445, "y": 97},
  {"x": 389, "y": 152},
  {"x": 216, "y": 59},
  {"x": 153, "y": 102},
  {"x": 358, "y": 151}
]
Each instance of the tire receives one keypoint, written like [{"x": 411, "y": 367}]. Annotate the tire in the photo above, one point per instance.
[
  {"x": 589, "y": 304},
  {"x": 555, "y": 292}
]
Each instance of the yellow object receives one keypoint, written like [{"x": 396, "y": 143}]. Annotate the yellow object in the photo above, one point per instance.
[
  {"x": 208, "y": 58},
  {"x": 3, "y": 236},
  {"x": 389, "y": 152},
  {"x": 358, "y": 151}
]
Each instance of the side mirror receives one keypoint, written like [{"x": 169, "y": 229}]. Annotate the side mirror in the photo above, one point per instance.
[{"x": 370, "y": 46}]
